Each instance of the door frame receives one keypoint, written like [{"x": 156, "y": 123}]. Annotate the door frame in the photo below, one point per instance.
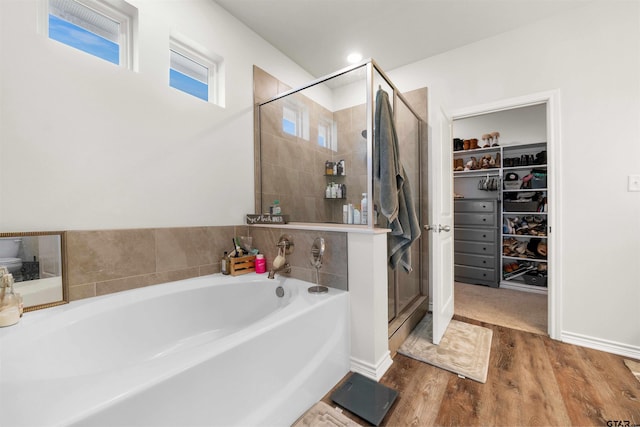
[{"x": 554, "y": 161}]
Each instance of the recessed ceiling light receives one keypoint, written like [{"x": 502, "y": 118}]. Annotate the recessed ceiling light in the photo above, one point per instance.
[{"x": 354, "y": 57}]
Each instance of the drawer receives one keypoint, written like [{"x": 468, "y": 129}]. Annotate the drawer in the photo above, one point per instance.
[
  {"x": 488, "y": 220},
  {"x": 474, "y": 273},
  {"x": 485, "y": 261},
  {"x": 481, "y": 248},
  {"x": 475, "y": 206},
  {"x": 476, "y": 235}
]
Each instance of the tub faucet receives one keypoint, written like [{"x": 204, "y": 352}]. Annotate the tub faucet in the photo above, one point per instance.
[
  {"x": 280, "y": 264},
  {"x": 284, "y": 268}
]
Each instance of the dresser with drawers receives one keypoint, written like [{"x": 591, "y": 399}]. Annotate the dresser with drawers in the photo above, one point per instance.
[{"x": 476, "y": 247}]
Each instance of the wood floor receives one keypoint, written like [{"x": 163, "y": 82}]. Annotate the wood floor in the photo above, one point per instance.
[{"x": 532, "y": 381}]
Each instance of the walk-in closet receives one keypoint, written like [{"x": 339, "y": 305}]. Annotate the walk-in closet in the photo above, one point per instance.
[{"x": 501, "y": 206}]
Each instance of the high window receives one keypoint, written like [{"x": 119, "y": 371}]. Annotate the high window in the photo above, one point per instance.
[
  {"x": 94, "y": 26},
  {"x": 295, "y": 120},
  {"x": 194, "y": 71},
  {"x": 327, "y": 134}
]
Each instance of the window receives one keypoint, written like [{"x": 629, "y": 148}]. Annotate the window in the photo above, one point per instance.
[
  {"x": 295, "y": 120},
  {"x": 195, "y": 71},
  {"x": 95, "y": 27},
  {"x": 189, "y": 76},
  {"x": 327, "y": 134}
]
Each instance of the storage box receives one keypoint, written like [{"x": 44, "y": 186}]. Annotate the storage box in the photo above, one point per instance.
[
  {"x": 512, "y": 185},
  {"x": 242, "y": 265},
  {"x": 534, "y": 279},
  {"x": 513, "y": 206},
  {"x": 539, "y": 181}
]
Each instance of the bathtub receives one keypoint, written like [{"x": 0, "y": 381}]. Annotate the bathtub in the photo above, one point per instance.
[{"x": 214, "y": 350}]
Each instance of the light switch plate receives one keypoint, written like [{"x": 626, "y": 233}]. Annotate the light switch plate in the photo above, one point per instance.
[{"x": 634, "y": 183}]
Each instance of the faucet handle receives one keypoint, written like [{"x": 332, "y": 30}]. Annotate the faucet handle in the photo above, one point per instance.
[{"x": 285, "y": 242}]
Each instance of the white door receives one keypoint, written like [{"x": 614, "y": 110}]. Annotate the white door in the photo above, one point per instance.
[{"x": 441, "y": 224}]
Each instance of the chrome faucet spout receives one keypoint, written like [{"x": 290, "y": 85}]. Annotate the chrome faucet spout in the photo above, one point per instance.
[{"x": 286, "y": 268}]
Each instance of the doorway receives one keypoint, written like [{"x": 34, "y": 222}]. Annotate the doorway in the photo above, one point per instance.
[{"x": 518, "y": 122}]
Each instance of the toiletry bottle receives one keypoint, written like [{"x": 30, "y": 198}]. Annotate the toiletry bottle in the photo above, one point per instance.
[
  {"x": 261, "y": 264},
  {"x": 333, "y": 190},
  {"x": 339, "y": 191},
  {"x": 276, "y": 207},
  {"x": 327, "y": 192},
  {"x": 344, "y": 172},
  {"x": 224, "y": 264},
  {"x": 356, "y": 216},
  {"x": 363, "y": 207},
  {"x": 344, "y": 191},
  {"x": 339, "y": 168},
  {"x": 335, "y": 169},
  {"x": 328, "y": 168},
  {"x": 9, "y": 306},
  {"x": 16, "y": 296},
  {"x": 345, "y": 214}
]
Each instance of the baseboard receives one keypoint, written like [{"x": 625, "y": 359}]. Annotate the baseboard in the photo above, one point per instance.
[
  {"x": 600, "y": 344},
  {"x": 375, "y": 372}
]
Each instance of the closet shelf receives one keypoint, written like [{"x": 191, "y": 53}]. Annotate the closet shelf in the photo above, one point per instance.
[{"x": 516, "y": 258}]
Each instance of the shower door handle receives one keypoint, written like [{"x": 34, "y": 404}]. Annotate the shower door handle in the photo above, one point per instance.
[{"x": 443, "y": 228}]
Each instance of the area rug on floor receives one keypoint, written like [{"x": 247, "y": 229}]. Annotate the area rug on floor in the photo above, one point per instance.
[
  {"x": 634, "y": 367},
  {"x": 323, "y": 415},
  {"x": 464, "y": 348}
]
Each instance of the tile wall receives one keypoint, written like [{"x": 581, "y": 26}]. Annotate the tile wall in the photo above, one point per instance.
[
  {"x": 292, "y": 169},
  {"x": 101, "y": 262}
]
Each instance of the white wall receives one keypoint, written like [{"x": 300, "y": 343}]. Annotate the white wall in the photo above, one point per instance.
[
  {"x": 592, "y": 55},
  {"x": 85, "y": 144},
  {"x": 522, "y": 125}
]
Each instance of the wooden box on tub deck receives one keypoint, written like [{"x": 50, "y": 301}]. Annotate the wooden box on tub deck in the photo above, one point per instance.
[{"x": 242, "y": 265}]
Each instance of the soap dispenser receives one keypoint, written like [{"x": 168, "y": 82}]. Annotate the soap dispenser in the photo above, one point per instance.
[{"x": 9, "y": 302}]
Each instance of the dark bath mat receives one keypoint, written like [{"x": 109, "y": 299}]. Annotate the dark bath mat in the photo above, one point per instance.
[{"x": 364, "y": 397}]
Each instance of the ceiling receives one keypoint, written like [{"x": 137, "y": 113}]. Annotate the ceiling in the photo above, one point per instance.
[{"x": 319, "y": 34}]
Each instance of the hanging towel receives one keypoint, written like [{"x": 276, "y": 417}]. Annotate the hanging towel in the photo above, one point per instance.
[{"x": 396, "y": 200}]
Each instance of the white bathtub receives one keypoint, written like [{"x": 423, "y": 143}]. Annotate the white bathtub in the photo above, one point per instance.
[{"x": 215, "y": 350}]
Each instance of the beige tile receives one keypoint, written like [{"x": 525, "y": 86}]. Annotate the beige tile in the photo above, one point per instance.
[
  {"x": 95, "y": 256},
  {"x": 127, "y": 283},
  {"x": 82, "y": 291},
  {"x": 178, "y": 248},
  {"x": 265, "y": 86},
  {"x": 205, "y": 270}
]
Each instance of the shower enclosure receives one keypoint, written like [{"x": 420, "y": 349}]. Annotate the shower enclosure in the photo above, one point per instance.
[{"x": 315, "y": 157}]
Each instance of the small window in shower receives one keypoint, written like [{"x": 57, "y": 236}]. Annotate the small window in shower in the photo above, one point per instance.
[
  {"x": 295, "y": 120},
  {"x": 327, "y": 135}
]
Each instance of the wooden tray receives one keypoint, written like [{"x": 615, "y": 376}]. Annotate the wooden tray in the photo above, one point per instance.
[{"x": 242, "y": 265}]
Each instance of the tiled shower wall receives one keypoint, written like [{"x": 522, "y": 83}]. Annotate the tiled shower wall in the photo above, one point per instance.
[
  {"x": 293, "y": 169},
  {"x": 106, "y": 261}
]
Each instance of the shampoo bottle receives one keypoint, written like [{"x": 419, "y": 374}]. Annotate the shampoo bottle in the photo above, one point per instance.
[
  {"x": 363, "y": 208},
  {"x": 224, "y": 264},
  {"x": 261, "y": 264}
]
